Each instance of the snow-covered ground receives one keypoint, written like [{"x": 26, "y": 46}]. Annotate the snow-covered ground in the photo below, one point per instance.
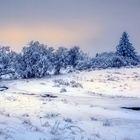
[{"x": 77, "y": 106}]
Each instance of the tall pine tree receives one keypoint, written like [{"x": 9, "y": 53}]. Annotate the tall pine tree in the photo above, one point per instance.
[{"x": 125, "y": 48}]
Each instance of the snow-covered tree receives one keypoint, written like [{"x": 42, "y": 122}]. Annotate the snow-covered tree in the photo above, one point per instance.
[
  {"x": 35, "y": 60},
  {"x": 125, "y": 48},
  {"x": 38, "y": 60},
  {"x": 84, "y": 64},
  {"x": 75, "y": 55},
  {"x": 60, "y": 59},
  {"x": 7, "y": 61}
]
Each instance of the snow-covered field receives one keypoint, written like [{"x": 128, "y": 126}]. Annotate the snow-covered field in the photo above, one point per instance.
[{"x": 76, "y": 106}]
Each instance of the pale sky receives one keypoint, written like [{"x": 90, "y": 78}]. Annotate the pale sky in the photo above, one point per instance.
[{"x": 93, "y": 25}]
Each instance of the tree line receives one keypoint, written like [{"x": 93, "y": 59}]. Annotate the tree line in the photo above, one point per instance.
[{"x": 37, "y": 60}]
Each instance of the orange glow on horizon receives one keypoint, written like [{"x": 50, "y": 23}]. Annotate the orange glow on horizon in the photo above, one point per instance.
[{"x": 17, "y": 37}]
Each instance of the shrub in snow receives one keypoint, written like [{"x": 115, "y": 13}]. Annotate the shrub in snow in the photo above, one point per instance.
[
  {"x": 51, "y": 115},
  {"x": 75, "y": 84},
  {"x": 100, "y": 61},
  {"x": 106, "y": 123},
  {"x": 63, "y": 90},
  {"x": 69, "y": 120},
  {"x": 25, "y": 115},
  {"x": 105, "y": 60},
  {"x": 27, "y": 122},
  {"x": 84, "y": 63},
  {"x": 91, "y": 80},
  {"x": 93, "y": 119},
  {"x": 77, "y": 58},
  {"x": 117, "y": 61},
  {"x": 61, "y": 82},
  {"x": 62, "y": 131},
  {"x": 30, "y": 126},
  {"x": 64, "y": 101},
  {"x": 68, "y": 83}
]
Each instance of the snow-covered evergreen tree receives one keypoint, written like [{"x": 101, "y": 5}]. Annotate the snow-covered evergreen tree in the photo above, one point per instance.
[{"x": 125, "y": 48}]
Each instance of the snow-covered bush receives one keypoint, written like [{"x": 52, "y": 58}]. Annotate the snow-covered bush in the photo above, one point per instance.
[
  {"x": 60, "y": 59},
  {"x": 77, "y": 58},
  {"x": 117, "y": 61},
  {"x": 51, "y": 115},
  {"x": 107, "y": 123},
  {"x": 63, "y": 90},
  {"x": 7, "y": 62},
  {"x": 73, "y": 56},
  {"x": 106, "y": 60},
  {"x": 68, "y": 120},
  {"x": 75, "y": 84},
  {"x": 84, "y": 63},
  {"x": 61, "y": 82},
  {"x": 72, "y": 83},
  {"x": 35, "y": 60}
]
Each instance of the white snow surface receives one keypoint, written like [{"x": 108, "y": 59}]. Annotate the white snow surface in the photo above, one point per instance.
[{"x": 77, "y": 106}]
